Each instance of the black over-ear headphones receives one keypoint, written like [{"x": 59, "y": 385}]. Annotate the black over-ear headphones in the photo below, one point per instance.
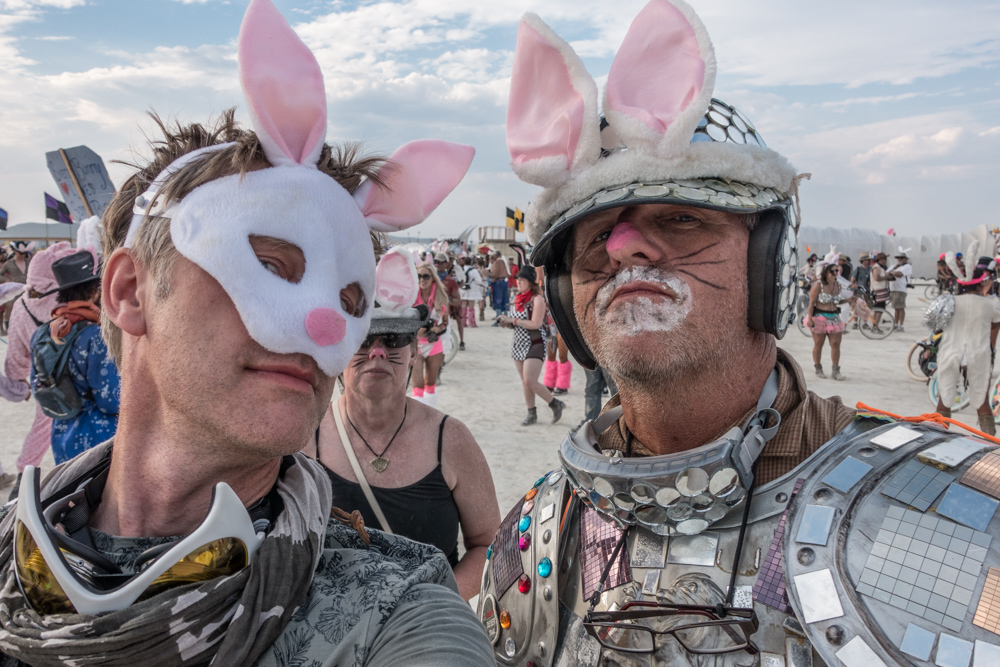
[{"x": 772, "y": 257}]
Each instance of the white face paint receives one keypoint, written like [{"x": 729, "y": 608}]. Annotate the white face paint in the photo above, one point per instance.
[{"x": 643, "y": 315}]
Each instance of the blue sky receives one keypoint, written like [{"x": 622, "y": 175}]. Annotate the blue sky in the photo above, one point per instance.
[{"x": 894, "y": 107}]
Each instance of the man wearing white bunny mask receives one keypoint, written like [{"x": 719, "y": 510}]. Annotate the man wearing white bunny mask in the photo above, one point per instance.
[
  {"x": 707, "y": 516},
  {"x": 238, "y": 281}
]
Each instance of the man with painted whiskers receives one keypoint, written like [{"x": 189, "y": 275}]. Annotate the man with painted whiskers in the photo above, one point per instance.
[{"x": 667, "y": 232}]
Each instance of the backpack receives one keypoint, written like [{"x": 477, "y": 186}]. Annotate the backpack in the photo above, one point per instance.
[{"x": 52, "y": 385}]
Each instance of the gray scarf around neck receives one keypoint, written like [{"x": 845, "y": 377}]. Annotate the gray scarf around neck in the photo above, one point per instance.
[{"x": 226, "y": 621}]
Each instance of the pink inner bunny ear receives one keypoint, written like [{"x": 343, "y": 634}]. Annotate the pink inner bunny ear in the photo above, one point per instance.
[
  {"x": 663, "y": 75},
  {"x": 552, "y": 110},
  {"x": 283, "y": 86},
  {"x": 417, "y": 178},
  {"x": 396, "y": 280}
]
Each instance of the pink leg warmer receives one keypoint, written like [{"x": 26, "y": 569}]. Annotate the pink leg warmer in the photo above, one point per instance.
[
  {"x": 565, "y": 373},
  {"x": 551, "y": 375}
]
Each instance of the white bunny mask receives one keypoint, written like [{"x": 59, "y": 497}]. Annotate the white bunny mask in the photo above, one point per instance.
[{"x": 295, "y": 202}]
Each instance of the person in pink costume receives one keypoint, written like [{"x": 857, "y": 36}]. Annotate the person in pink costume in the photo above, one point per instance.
[{"x": 29, "y": 312}]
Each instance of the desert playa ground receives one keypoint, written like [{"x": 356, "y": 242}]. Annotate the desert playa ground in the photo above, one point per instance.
[{"x": 480, "y": 387}]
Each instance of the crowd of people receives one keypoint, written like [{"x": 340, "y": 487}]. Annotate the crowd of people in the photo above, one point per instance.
[{"x": 251, "y": 467}]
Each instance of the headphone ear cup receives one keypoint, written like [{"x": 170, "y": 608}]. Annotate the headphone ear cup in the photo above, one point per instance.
[
  {"x": 764, "y": 267},
  {"x": 559, "y": 294}
]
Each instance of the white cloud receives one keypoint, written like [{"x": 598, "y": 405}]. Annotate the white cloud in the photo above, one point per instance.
[{"x": 911, "y": 148}]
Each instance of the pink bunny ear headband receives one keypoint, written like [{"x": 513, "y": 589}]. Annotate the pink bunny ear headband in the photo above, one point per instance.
[
  {"x": 295, "y": 202},
  {"x": 663, "y": 137},
  {"x": 396, "y": 288}
]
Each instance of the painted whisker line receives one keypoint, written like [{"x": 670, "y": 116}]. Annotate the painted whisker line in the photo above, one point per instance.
[
  {"x": 716, "y": 261},
  {"x": 703, "y": 282},
  {"x": 598, "y": 275},
  {"x": 696, "y": 252}
]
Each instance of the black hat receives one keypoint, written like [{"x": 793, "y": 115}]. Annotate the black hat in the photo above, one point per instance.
[
  {"x": 528, "y": 273},
  {"x": 73, "y": 270}
]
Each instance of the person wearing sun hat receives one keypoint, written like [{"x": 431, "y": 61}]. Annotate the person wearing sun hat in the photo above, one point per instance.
[
  {"x": 33, "y": 310},
  {"x": 899, "y": 275},
  {"x": 75, "y": 321},
  {"x": 237, "y": 284},
  {"x": 14, "y": 270}
]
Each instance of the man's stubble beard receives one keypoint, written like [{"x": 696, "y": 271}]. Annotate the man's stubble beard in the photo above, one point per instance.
[{"x": 671, "y": 356}]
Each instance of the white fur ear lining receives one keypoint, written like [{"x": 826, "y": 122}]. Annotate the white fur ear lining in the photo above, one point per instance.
[
  {"x": 654, "y": 36},
  {"x": 553, "y": 127}
]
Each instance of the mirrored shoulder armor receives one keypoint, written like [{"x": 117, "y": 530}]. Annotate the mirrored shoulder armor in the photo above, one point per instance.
[{"x": 877, "y": 550}]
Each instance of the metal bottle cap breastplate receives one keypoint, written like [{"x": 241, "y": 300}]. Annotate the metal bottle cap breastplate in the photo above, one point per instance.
[{"x": 879, "y": 547}]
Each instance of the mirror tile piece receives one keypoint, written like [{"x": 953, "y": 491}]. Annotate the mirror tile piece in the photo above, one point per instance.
[
  {"x": 984, "y": 474},
  {"x": 918, "y": 642},
  {"x": 598, "y": 539},
  {"x": 547, "y": 513},
  {"x": 856, "y": 653},
  {"x": 798, "y": 652},
  {"x": 952, "y": 651},
  {"x": 932, "y": 574},
  {"x": 847, "y": 474},
  {"x": 769, "y": 589},
  {"x": 771, "y": 660},
  {"x": 649, "y": 548},
  {"x": 815, "y": 525},
  {"x": 967, "y": 507},
  {"x": 818, "y": 596},
  {"x": 988, "y": 612},
  {"x": 985, "y": 654},
  {"x": 693, "y": 549},
  {"x": 651, "y": 582},
  {"x": 506, "y": 561},
  {"x": 743, "y": 597},
  {"x": 917, "y": 485},
  {"x": 952, "y": 453},
  {"x": 895, "y": 438}
]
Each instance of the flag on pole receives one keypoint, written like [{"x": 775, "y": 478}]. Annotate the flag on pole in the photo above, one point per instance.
[
  {"x": 56, "y": 210},
  {"x": 511, "y": 222},
  {"x": 3, "y": 219},
  {"x": 518, "y": 220}
]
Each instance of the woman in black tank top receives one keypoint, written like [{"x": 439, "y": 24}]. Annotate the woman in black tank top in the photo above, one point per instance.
[{"x": 425, "y": 470}]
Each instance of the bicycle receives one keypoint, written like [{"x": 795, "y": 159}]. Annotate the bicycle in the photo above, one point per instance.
[{"x": 921, "y": 360}]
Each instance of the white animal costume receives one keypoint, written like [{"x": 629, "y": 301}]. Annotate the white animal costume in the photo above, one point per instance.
[
  {"x": 295, "y": 202},
  {"x": 967, "y": 335}
]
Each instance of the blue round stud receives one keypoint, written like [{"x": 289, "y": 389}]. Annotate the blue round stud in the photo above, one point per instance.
[
  {"x": 544, "y": 567},
  {"x": 523, "y": 524}
]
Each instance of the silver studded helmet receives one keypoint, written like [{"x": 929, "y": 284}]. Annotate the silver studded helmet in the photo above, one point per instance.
[{"x": 663, "y": 139}]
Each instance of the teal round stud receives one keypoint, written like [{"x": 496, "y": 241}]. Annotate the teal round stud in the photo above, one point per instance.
[
  {"x": 544, "y": 567},
  {"x": 540, "y": 480},
  {"x": 489, "y": 551},
  {"x": 524, "y": 523}
]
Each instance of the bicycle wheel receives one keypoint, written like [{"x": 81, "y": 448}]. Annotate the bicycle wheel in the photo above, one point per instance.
[
  {"x": 880, "y": 326},
  {"x": 932, "y": 291},
  {"x": 913, "y": 363},
  {"x": 454, "y": 346},
  {"x": 961, "y": 399},
  {"x": 995, "y": 399}
]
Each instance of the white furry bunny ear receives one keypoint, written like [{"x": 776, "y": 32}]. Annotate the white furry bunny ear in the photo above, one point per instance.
[
  {"x": 661, "y": 81},
  {"x": 552, "y": 123},
  {"x": 396, "y": 281}
]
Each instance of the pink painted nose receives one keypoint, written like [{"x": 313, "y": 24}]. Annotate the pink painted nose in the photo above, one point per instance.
[
  {"x": 325, "y": 326},
  {"x": 378, "y": 352},
  {"x": 626, "y": 242}
]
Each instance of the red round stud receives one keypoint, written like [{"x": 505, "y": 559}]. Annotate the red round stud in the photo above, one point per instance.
[{"x": 524, "y": 583}]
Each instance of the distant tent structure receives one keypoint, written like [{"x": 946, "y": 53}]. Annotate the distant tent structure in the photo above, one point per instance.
[{"x": 923, "y": 251}]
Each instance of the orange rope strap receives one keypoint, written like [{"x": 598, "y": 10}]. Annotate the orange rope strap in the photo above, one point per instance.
[{"x": 930, "y": 417}]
